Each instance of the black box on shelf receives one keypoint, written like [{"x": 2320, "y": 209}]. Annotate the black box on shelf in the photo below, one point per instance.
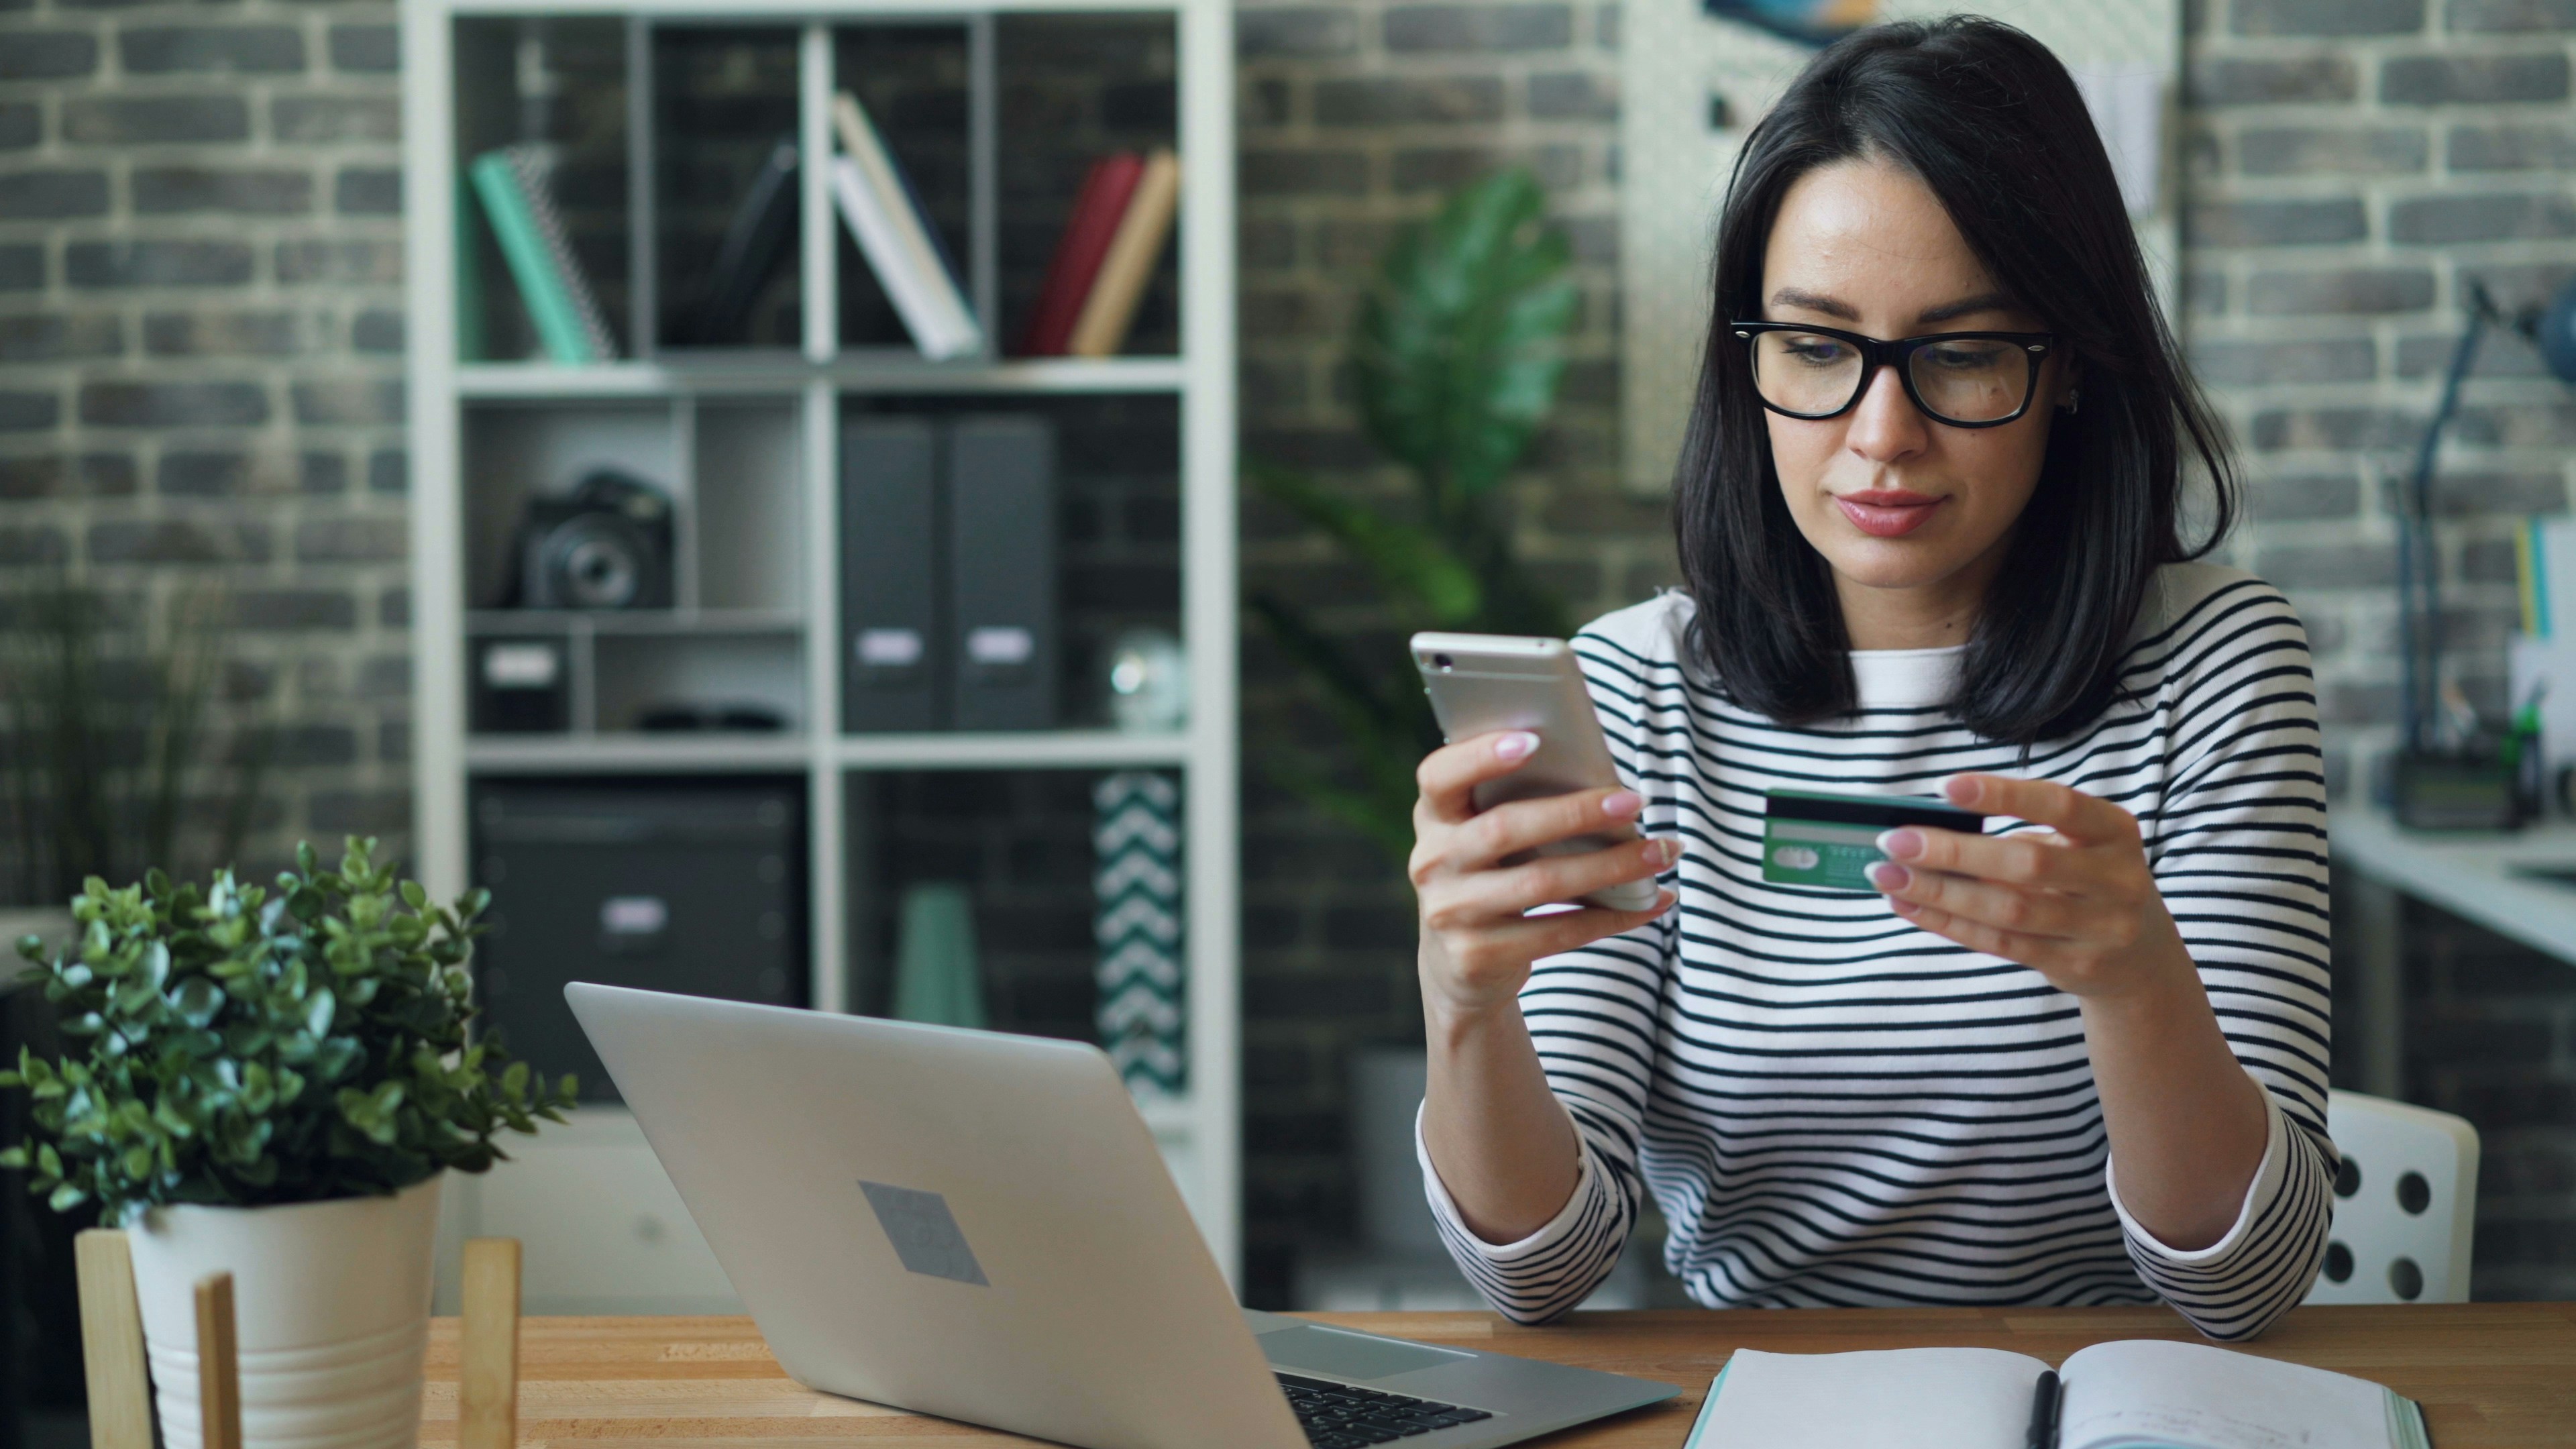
[
  {"x": 689, "y": 886},
  {"x": 521, "y": 686}
]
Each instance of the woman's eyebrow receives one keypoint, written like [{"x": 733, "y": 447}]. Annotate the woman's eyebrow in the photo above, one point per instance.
[
  {"x": 1966, "y": 306},
  {"x": 1930, "y": 316},
  {"x": 1814, "y": 302}
]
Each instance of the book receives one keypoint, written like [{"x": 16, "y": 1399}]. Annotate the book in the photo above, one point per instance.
[
  {"x": 1088, "y": 228},
  {"x": 893, "y": 670},
  {"x": 907, "y": 254},
  {"x": 2133, "y": 1394},
  {"x": 1111, "y": 308},
  {"x": 2545, "y": 571},
  {"x": 999, "y": 477},
  {"x": 754, "y": 241},
  {"x": 516, "y": 186}
]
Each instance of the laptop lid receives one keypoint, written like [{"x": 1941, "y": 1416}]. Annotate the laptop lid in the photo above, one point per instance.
[{"x": 961, "y": 1223}]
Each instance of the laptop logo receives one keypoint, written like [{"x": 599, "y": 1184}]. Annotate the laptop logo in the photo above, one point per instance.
[{"x": 924, "y": 1233}]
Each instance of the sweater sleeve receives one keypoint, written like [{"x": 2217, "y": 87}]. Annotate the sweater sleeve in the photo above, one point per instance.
[
  {"x": 1592, "y": 1014},
  {"x": 2238, "y": 845}
]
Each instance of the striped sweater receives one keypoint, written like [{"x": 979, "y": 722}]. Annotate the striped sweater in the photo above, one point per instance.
[{"x": 1834, "y": 1108}]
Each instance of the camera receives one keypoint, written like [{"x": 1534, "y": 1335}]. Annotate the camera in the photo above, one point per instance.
[
  {"x": 1443, "y": 662},
  {"x": 605, "y": 545}
]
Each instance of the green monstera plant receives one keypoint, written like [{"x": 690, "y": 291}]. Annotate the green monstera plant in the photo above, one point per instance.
[
  {"x": 1457, "y": 353},
  {"x": 248, "y": 1047}
]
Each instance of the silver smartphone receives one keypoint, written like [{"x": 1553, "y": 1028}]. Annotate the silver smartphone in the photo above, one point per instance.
[{"x": 1481, "y": 683}]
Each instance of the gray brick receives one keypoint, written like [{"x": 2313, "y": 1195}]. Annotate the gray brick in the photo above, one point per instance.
[
  {"x": 350, "y": 540},
  {"x": 2255, "y": 364},
  {"x": 2341, "y": 429},
  {"x": 2204, "y": 291},
  {"x": 367, "y": 191},
  {"x": 2499, "y": 495},
  {"x": 2429, "y": 354},
  {"x": 323, "y": 474},
  {"x": 366, "y": 49},
  {"x": 22, "y": 266},
  {"x": 309, "y": 746},
  {"x": 218, "y": 49},
  {"x": 1303, "y": 171},
  {"x": 348, "y": 400},
  {"x": 23, "y": 411},
  {"x": 1491, "y": 25},
  {"x": 2328, "y": 17},
  {"x": 2332, "y": 150},
  {"x": 2509, "y": 147},
  {"x": 389, "y": 471},
  {"x": 53, "y": 192},
  {"x": 247, "y": 191},
  {"x": 48, "y": 54},
  {"x": 359, "y": 812},
  {"x": 2361, "y": 291},
  {"x": 376, "y": 330},
  {"x": 1573, "y": 95},
  {"x": 394, "y": 609},
  {"x": 393, "y": 737},
  {"x": 157, "y": 264},
  {"x": 22, "y": 125},
  {"x": 339, "y": 261},
  {"x": 221, "y": 334},
  {"x": 334, "y": 118},
  {"x": 56, "y": 336},
  {"x": 2275, "y": 223},
  {"x": 2510, "y": 15},
  {"x": 2329, "y": 566},
  {"x": 36, "y": 475},
  {"x": 172, "y": 404},
  {"x": 2441, "y": 80},
  {"x": 294, "y": 609},
  {"x": 2539, "y": 425},
  {"x": 22, "y": 546},
  {"x": 2309, "y": 79},
  {"x": 201, "y": 474},
  {"x": 1305, "y": 30},
  {"x": 1403, "y": 100},
  {"x": 177, "y": 541},
  {"x": 2304, "y": 496},
  {"x": 1444, "y": 168},
  {"x": 141, "y": 120},
  {"x": 2511, "y": 216}
]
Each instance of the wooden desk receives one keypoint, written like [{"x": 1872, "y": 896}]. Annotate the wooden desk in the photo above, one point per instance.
[{"x": 2490, "y": 1375}]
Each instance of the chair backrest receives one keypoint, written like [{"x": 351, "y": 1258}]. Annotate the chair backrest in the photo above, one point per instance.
[{"x": 2406, "y": 1203}]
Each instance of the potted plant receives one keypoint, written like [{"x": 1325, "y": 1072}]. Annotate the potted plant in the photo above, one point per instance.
[{"x": 269, "y": 1082}]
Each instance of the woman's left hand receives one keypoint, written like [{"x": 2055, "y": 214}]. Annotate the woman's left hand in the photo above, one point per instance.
[{"x": 2076, "y": 902}]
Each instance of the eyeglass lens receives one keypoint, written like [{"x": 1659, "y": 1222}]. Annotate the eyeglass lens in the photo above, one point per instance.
[{"x": 1967, "y": 380}]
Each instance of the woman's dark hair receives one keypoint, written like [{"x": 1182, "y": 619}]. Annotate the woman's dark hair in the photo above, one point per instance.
[{"x": 1991, "y": 122}]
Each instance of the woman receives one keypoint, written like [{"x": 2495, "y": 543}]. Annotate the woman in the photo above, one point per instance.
[{"x": 2080, "y": 1059}]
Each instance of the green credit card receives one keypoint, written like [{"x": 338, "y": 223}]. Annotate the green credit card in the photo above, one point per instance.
[{"x": 1828, "y": 839}]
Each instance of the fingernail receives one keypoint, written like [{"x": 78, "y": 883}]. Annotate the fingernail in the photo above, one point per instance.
[
  {"x": 1623, "y": 803},
  {"x": 1901, "y": 844},
  {"x": 1665, "y": 852},
  {"x": 1514, "y": 745},
  {"x": 1960, "y": 789},
  {"x": 1888, "y": 876}
]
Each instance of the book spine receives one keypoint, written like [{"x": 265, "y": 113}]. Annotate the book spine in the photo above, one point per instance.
[
  {"x": 864, "y": 211},
  {"x": 535, "y": 166},
  {"x": 2532, "y": 590},
  {"x": 1111, "y": 308},
  {"x": 955, "y": 331},
  {"x": 514, "y": 227},
  {"x": 470, "y": 344},
  {"x": 1088, "y": 229}
]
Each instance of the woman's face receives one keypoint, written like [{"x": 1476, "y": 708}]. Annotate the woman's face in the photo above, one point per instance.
[{"x": 1891, "y": 498}]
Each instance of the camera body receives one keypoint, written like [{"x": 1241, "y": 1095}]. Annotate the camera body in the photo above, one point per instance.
[{"x": 606, "y": 545}]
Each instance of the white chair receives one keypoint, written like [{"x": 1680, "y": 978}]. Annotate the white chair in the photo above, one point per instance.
[{"x": 2406, "y": 1204}]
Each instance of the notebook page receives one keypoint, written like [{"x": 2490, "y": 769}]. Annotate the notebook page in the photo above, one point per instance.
[
  {"x": 1903, "y": 1398},
  {"x": 2143, "y": 1394}
]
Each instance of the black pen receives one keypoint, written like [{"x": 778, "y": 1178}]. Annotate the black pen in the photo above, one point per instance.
[{"x": 2043, "y": 1413}]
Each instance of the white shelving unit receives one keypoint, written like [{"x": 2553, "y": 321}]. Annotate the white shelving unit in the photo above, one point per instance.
[{"x": 604, "y": 1229}]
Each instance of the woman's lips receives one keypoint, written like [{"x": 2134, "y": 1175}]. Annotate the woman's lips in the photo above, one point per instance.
[{"x": 1888, "y": 512}]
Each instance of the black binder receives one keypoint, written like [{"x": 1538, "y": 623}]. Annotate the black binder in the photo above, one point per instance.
[
  {"x": 891, "y": 656},
  {"x": 1002, "y": 575}
]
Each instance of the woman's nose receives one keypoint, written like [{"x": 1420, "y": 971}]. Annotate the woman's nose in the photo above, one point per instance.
[{"x": 1885, "y": 425}]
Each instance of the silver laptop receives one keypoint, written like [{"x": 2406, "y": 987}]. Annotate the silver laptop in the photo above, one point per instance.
[{"x": 978, "y": 1226}]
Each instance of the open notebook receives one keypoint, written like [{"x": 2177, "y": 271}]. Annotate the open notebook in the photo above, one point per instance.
[{"x": 2136, "y": 1394}]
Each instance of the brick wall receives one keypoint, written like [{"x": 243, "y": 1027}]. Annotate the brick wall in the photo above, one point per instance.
[
  {"x": 200, "y": 351},
  {"x": 199, "y": 373}
]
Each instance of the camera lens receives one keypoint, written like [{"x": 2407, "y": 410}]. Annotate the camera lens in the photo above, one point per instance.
[{"x": 1441, "y": 661}]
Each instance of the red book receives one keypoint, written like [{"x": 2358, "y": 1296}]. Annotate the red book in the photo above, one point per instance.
[{"x": 1088, "y": 230}]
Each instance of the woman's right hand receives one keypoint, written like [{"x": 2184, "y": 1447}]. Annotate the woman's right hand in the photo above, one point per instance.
[{"x": 1475, "y": 881}]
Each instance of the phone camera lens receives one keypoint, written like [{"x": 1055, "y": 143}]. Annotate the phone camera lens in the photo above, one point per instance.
[{"x": 1442, "y": 662}]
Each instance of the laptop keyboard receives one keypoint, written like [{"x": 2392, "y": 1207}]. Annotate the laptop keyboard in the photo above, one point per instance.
[{"x": 1338, "y": 1416}]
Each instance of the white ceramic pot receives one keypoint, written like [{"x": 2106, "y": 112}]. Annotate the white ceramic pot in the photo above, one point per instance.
[{"x": 331, "y": 1300}]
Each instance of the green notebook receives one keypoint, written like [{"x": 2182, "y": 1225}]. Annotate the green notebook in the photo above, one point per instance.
[
  {"x": 518, "y": 200},
  {"x": 2135, "y": 1394}
]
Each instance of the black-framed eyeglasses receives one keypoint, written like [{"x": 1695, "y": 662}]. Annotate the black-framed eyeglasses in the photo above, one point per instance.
[{"x": 1965, "y": 379}]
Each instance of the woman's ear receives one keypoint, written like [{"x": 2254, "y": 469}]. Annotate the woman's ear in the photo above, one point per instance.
[{"x": 2073, "y": 392}]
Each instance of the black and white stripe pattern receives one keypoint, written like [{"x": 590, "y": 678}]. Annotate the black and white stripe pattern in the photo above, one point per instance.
[{"x": 1834, "y": 1108}]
